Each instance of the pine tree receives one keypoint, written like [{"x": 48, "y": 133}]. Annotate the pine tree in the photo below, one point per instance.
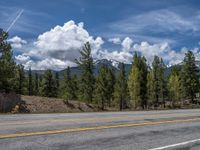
[
  {"x": 87, "y": 79},
  {"x": 7, "y": 64},
  {"x": 49, "y": 84},
  {"x": 30, "y": 82},
  {"x": 68, "y": 91},
  {"x": 175, "y": 87},
  {"x": 101, "y": 88},
  {"x": 121, "y": 88},
  {"x": 57, "y": 80},
  {"x": 150, "y": 89},
  {"x": 190, "y": 76},
  {"x": 163, "y": 82},
  {"x": 36, "y": 84},
  {"x": 75, "y": 86},
  {"x": 143, "y": 69},
  {"x": 110, "y": 85},
  {"x": 159, "y": 83},
  {"x": 20, "y": 80},
  {"x": 40, "y": 84},
  {"x": 138, "y": 78},
  {"x": 134, "y": 87}
]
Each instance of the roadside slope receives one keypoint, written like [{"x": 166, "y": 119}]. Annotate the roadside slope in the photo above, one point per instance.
[{"x": 37, "y": 104}]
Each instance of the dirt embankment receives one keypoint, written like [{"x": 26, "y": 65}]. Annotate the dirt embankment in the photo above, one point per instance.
[{"x": 35, "y": 104}]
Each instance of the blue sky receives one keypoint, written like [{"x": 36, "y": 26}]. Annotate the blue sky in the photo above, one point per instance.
[{"x": 160, "y": 27}]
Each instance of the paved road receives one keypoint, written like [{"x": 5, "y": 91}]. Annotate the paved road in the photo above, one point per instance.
[{"x": 141, "y": 130}]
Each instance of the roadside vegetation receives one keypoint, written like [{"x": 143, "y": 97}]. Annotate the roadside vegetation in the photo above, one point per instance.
[{"x": 144, "y": 87}]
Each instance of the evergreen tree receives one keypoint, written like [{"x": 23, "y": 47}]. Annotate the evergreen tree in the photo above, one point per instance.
[
  {"x": 87, "y": 79},
  {"x": 68, "y": 91},
  {"x": 121, "y": 88},
  {"x": 57, "y": 80},
  {"x": 143, "y": 69},
  {"x": 163, "y": 82},
  {"x": 190, "y": 76},
  {"x": 40, "y": 84},
  {"x": 30, "y": 82},
  {"x": 159, "y": 83},
  {"x": 75, "y": 86},
  {"x": 49, "y": 84},
  {"x": 150, "y": 89},
  {"x": 156, "y": 79},
  {"x": 134, "y": 87},
  {"x": 175, "y": 87},
  {"x": 138, "y": 78},
  {"x": 36, "y": 84},
  {"x": 101, "y": 88},
  {"x": 20, "y": 80},
  {"x": 7, "y": 65},
  {"x": 110, "y": 85}
]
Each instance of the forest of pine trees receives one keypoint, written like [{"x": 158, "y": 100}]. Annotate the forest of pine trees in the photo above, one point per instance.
[{"x": 144, "y": 86}]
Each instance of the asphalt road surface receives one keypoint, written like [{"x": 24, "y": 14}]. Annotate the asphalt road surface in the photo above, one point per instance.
[{"x": 139, "y": 130}]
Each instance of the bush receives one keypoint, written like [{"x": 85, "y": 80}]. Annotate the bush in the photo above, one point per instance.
[{"x": 8, "y": 102}]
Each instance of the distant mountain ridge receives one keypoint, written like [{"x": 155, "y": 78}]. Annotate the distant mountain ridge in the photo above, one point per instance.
[
  {"x": 77, "y": 71},
  {"x": 111, "y": 64}
]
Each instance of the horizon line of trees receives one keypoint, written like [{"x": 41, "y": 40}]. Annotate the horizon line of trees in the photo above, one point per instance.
[{"x": 146, "y": 86}]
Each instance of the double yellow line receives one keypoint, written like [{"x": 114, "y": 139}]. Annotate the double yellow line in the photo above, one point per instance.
[{"x": 93, "y": 128}]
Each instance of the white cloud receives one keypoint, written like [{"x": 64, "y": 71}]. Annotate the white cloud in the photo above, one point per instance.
[
  {"x": 59, "y": 47},
  {"x": 127, "y": 43},
  {"x": 17, "y": 42},
  {"x": 115, "y": 40},
  {"x": 149, "y": 51},
  {"x": 22, "y": 58},
  {"x": 120, "y": 56},
  {"x": 170, "y": 56},
  {"x": 48, "y": 63},
  {"x": 123, "y": 55}
]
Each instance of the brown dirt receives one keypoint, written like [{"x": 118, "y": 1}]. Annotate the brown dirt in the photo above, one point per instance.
[{"x": 36, "y": 104}]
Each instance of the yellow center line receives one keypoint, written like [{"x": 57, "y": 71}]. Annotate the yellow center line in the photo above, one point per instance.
[
  {"x": 98, "y": 119},
  {"x": 93, "y": 128}
]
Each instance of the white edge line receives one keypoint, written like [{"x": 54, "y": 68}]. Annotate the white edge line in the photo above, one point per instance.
[{"x": 174, "y": 145}]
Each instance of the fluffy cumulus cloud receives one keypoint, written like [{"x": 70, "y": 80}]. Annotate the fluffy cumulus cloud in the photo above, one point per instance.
[
  {"x": 59, "y": 47},
  {"x": 17, "y": 42},
  {"x": 127, "y": 43},
  {"x": 163, "y": 50},
  {"x": 123, "y": 54},
  {"x": 150, "y": 50},
  {"x": 22, "y": 58}
]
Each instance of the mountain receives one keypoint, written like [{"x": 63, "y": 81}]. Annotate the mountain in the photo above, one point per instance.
[
  {"x": 77, "y": 71},
  {"x": 110, "y": 63},
  {"x": 178, "y": 66}
]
